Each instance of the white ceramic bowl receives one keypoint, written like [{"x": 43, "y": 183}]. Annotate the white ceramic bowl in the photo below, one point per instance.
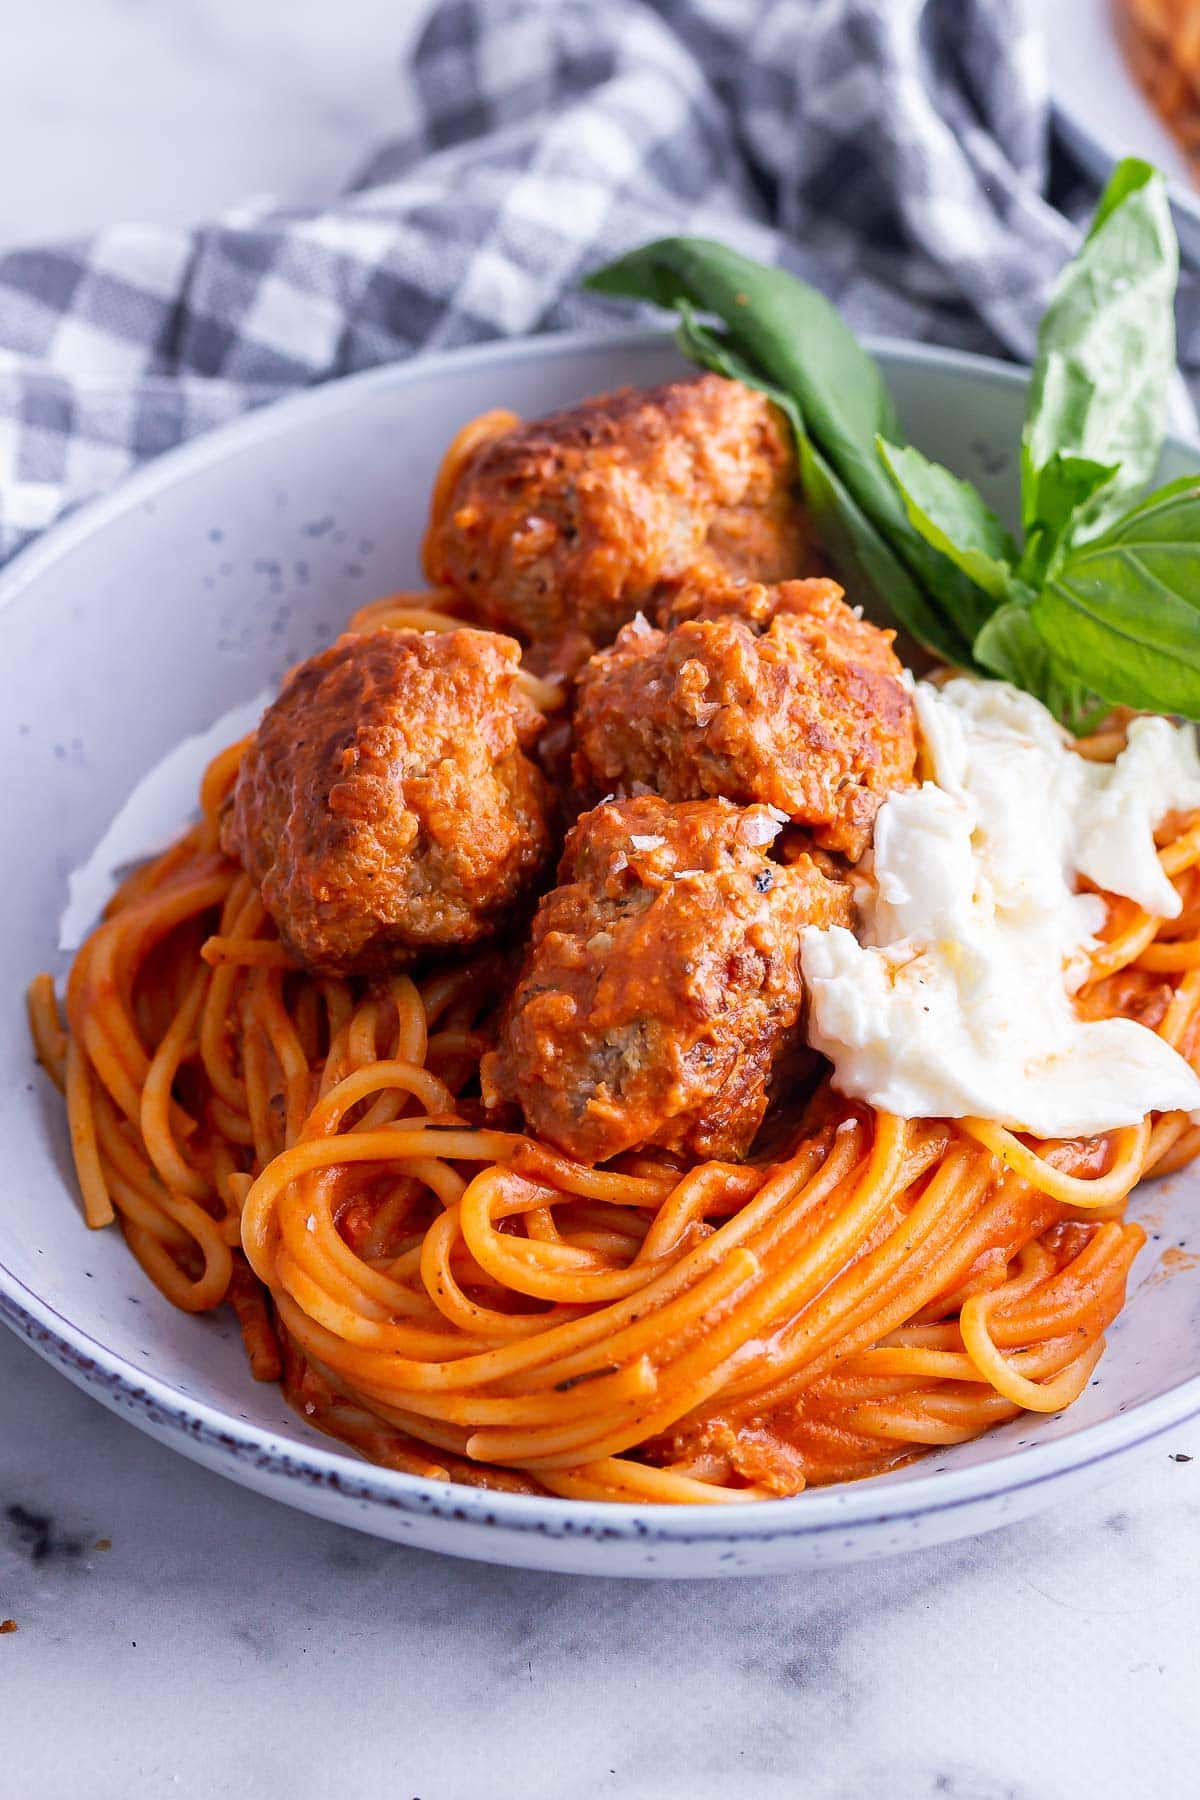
[
  {"x": 149, "y": 616},
  {"x": 1103, "y": 113}
]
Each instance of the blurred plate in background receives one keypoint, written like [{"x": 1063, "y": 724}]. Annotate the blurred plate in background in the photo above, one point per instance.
[{"x": 1103, "y": 114}]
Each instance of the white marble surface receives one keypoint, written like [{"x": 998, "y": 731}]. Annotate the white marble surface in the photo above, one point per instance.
[
  {"x": 224, "y": 1646},
  {"x": 164, "y": 110}
]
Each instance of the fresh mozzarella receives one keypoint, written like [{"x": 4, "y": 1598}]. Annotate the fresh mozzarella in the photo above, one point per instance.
[{"x": 954, "y": 998}]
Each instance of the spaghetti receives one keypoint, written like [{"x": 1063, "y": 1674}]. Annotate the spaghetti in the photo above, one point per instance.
[{"x": 466, "y": 1303}]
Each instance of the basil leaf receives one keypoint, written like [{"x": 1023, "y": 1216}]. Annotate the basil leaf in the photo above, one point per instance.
[
  {"x": 869, "y": 568},
  {"x": 1090, "y": 608},
  {"x": 788, "y": 330},
  {"x": 1065, "y": 489},
  {"x": 1124, "y": 610},
  {"x": 863, "y": 559},
  {"x": 1106, "y": 347},
  {"x": 951, "y": 516},
  {"x": 1130, "y": 174},
  {"x": 713, "y": 350},
  {"x": 785, "y": 337},
  {"x": 1011, "y": 646},
  {"x": 1166, "y": 517},
  {"x": 794, "y": 338}
]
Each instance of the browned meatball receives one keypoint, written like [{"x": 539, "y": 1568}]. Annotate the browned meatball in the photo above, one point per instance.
[
  {"x": 386, "y": 806},
  {"x": 663, "y": 982},
  {"x": 780, "y": 695},
  {"x": 561, "y": 530}
]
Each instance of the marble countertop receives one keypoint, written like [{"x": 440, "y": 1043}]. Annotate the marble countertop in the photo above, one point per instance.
[
  {"x": 178, "y": 1636},
  {"x": 127, "y": 109}
]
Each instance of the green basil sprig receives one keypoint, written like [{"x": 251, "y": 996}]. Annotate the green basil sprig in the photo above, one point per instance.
[
  {"x": 782, "y": 336},
  {"x": 1100, "y": 601}
]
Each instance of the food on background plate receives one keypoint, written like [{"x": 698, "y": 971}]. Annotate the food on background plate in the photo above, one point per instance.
[
  {"x": 1161, "y": 39},
  {"x": 794, "y": 1134}
]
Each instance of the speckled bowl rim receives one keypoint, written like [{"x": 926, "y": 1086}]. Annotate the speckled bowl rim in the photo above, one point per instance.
[{"x": 200, "y": 1430}]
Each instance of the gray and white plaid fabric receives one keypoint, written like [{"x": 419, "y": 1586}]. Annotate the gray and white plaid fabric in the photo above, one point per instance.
[{"x": 893, "y": 151}]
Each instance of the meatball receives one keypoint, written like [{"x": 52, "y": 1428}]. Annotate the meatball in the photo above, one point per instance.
[
  {"x": 662, "y": 985},
  {"x": 560, "y": 531},
  {"x": 386, "y": 806},
  {"x": 780, "y": 695}
]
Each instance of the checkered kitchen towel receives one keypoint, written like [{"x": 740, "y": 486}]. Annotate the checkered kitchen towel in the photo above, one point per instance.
[{"x": 893, "y": 151}]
